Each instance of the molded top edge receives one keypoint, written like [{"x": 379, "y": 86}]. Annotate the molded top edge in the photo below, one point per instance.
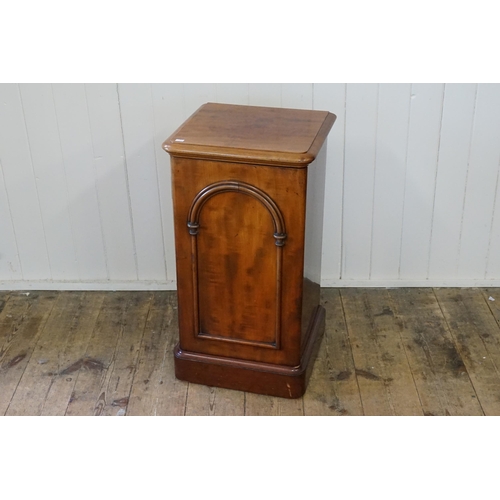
[{"x": 252, "y": 134}]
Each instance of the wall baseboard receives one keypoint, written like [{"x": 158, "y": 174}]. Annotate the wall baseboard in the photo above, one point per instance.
[
  {"x": 172, "y": 285},
  {"x": 444, "y": 283}
]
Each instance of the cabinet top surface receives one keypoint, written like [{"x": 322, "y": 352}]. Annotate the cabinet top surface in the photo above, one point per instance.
[{"x": 274, "y": 136}]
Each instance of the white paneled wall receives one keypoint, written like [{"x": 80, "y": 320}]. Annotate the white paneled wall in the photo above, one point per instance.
[{"x": 411, "y": 189}]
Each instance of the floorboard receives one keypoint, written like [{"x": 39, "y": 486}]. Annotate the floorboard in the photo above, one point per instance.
[
  {"x": 20, "y": 336},
  {"x": 104, "y": 374},
  {"x": 257, "y": 405},
  {"x": 333, "y": 387},
  {"x": 442, "y": 382},
  {"x": 71, "y": 354},
  {"x": 406, "y": 351},
  {"x": 155, "y": 390},
  {"x": 381, "y": 366},
  {"x": 477, "y": 337},
  {"x": 204, "y": 401},
  {"x": 67, "y": 318}
]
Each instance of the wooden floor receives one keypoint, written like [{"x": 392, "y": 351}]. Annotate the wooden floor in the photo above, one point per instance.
[{"x": 413, "y": 351}]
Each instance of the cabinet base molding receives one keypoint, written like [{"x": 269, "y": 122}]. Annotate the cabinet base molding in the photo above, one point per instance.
[{"x": 252, "y": 376}]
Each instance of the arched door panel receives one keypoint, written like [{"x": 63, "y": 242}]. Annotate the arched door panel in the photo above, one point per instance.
[{"x": 237, "y": 234}]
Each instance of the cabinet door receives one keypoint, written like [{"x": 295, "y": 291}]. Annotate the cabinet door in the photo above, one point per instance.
[
  {"x": 239, "y": 244},
  {"x": 238, "y": 234}
]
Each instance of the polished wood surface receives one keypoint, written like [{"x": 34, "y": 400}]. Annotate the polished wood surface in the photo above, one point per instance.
[
  {"x": 261, "y": 378},
  {"x": 237, "y": 275},
  {"x": 252, "y": 134},
  {"x": 248, "y": 232},
  {"x": 417, "y": 351}
]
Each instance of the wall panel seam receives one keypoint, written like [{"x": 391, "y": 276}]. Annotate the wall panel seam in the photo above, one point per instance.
[
  {"x": 98, "y": 195},
  {"x": 404, "y": 181},
  {"x": 12, "y": 221},
  {"x": 374, "y": 181},
  {"x": 342, "y": 215},
  {"x": 435, "y": 181},
  {"x": 36, "y": 183},
  {"x": 492, "y": 221},
  {"x": 474, "y": 116},
  {"x": 127, "y": 182},
  {"x": 158, "y": 183},
  {"x": 75, "y": 246}
]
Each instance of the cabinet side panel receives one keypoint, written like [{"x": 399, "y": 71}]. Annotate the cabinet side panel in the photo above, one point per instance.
[
  {"x": 315, "y": 200},
  {"x": 181, "y": 191}
]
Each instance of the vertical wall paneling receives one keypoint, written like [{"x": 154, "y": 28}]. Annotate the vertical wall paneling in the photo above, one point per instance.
[
  {"x": 297, "y": 95},
  {"x": 169, "y": 114},
  {"x": 389, "y": 183},
  {"x": 331, "y": 97},
  {"x": 423, "y": 145},
  {"x": 10, "y": 267},
  {"x": 196, "y": 94},
  {"x": 20, "y": 188},
  {"x": 76, "y": 146},
  {"x": 232, "y": 93},
  {"x": 456, "y": 129},
  {"x": 111, "y": 180},
  {"x": 264, "y": 94},
  {"x": 412, "y": 193},
  {"x": 493, "y": 258},
  {"x": 481, "y": 184},
  {"x": 360, "y": 140},
  {"x": 138, "y": 133},
  {"x": 49, "y": 168}
]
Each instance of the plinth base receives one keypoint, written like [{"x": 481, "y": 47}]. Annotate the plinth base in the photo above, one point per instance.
[{"x": 252, "y": 376}]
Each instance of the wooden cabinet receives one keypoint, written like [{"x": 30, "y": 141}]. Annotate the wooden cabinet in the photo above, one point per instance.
[{"x": 248, "y": 192}]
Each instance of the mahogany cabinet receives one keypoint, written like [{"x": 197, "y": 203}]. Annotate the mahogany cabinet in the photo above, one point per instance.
[{"x": 248, "y": 192}]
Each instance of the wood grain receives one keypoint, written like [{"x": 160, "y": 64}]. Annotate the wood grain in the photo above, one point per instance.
[
  {"x": 333, "y": 387},
  {"x": 71, "y": 351},
  {"x": 251, "y": 134},
  {"x": 62, "y": 352},
  {"x": 381, "y": 366},
  {"x": 286, "y": 187},
  {"x": 155, "y": 390},
  {"x": 248, "y": 190},
  {"x": 105, "y": 373},
  {"x": 13, "y": 311},
  {"x": 258, "y": 405},
  {"x": 20, "y": 336},
  {"x": 35, "y": 389},
  {"x": 476, "y": 335},
  {"x": 441, "y": 378},
  {"x": 204, "y": 401}
]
